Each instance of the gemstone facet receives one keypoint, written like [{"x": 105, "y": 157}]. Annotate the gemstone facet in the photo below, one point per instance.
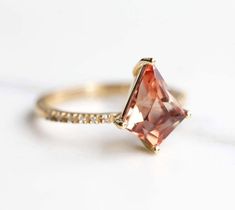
[{"x": 151, "y": 111}]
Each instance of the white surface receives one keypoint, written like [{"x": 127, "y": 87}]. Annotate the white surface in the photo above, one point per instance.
[{"x": 47, "y": 44}]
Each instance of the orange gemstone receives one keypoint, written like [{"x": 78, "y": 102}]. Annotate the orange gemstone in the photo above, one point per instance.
[{"x": 152, "y": 112}]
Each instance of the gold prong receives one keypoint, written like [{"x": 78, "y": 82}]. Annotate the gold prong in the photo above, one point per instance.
[
  {"x": 119, "y": 122},
  {"x": 136, "y": 70},
  {"x": 150, "y": 60},
  {"x": 151, "y": 148},
  {"x": 142, "y": 62},
  {"x": 189, "y": 115},
  {"x": 156, "y": 149}
]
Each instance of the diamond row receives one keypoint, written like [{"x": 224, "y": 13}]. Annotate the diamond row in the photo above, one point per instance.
[{"x": 82, "y": 118}]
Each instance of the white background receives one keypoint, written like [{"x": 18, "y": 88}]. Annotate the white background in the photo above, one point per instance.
[{"x": 53, "y": 44}]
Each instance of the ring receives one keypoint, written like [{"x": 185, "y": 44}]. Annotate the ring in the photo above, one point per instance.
[{"x": 152, "y": 110}]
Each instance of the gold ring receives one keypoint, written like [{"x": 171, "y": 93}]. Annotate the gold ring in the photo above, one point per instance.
[{"x": 151, "y": 112}]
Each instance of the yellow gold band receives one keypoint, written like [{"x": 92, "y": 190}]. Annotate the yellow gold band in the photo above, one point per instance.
[{"x": 46, "y": 105}]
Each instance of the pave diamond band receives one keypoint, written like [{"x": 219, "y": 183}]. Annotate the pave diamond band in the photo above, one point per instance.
[{"x": 46, "y": 105}]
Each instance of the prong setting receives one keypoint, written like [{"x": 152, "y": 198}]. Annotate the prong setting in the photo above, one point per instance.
[
  {"x": 140, "y": 64},
  {"x": 156, "y": 149},
  {"x": 189, "y": 115},
  {"x": 119, "y": 122}
]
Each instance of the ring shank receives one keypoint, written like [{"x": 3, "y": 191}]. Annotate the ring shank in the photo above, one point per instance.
[{"x": 46, "y": 105}]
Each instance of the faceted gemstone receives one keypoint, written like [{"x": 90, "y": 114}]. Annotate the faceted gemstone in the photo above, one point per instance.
[{"x": 152, "y": 112}]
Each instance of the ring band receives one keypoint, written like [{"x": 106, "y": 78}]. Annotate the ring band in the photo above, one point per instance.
[
  {"x": 151, "y": 111},
  {"x": 46, "y": 105}
]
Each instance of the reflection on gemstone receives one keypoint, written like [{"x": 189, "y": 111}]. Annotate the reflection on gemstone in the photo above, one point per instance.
[{"x": 152, "y": 112}]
